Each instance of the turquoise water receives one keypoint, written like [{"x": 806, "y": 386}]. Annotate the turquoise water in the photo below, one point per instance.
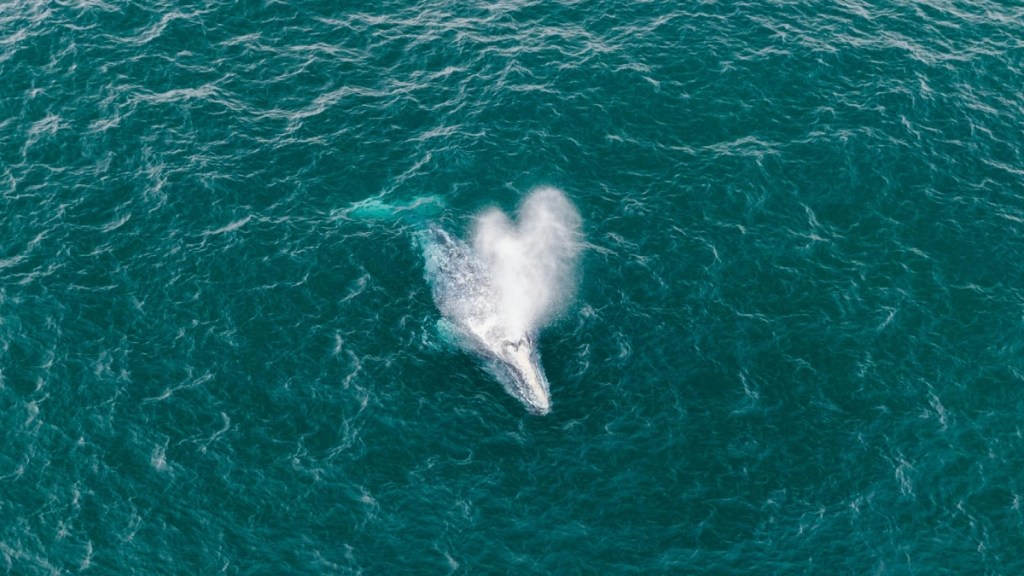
[{"x": 795, "y": 345}]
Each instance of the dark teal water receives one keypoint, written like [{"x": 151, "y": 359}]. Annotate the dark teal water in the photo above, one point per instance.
[{"x": 795, "y": 346}]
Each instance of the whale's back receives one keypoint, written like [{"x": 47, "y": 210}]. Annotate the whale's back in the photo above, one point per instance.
[{"x": 461, "y": 284}]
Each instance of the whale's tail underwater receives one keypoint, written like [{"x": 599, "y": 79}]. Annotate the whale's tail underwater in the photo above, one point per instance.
[{"x": 497, "y": 293}]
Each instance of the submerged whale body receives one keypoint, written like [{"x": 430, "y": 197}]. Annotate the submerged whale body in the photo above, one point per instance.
[{"x": 467, "y": 293}]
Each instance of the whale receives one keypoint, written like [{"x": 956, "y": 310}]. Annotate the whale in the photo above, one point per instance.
[
  {"x": 467, "y": 294},
  {"x": 495, "y": 293}
]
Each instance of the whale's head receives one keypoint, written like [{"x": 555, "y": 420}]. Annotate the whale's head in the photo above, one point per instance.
[{"x": 524, "y": 375}]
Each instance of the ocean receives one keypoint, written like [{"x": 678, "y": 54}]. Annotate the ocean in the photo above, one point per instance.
[{"x": 792, "y": 339}]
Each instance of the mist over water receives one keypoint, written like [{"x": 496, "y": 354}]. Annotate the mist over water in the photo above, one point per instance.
[{"x": 532, "y": 260}]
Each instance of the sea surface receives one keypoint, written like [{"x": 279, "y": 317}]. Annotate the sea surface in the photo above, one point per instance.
[{"x": 795, "y": 344}]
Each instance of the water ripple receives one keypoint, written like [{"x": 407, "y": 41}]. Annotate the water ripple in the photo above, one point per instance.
[{"x": 796, "y": 343}]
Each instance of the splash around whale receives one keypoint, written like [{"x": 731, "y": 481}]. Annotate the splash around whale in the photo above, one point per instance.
[{"x": 497, "y": 292}]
